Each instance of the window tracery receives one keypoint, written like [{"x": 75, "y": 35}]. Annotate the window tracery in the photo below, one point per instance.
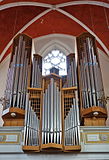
[{"x": 57, "y": 59}]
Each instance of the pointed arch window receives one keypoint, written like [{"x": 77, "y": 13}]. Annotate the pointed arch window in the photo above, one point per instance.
[{"x": 55, "y": 58}]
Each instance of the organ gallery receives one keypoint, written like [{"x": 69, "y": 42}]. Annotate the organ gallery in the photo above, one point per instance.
[{"x": 52, "y": 107}]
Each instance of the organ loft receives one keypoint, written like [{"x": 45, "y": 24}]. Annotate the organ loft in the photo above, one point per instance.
[{"x": 52, "y": 108}]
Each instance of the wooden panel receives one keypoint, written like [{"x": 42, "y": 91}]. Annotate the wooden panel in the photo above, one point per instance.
[
  {"x": 51, "y": 145},
  {"x": 70, "y": 88},
  {"x": 89, "y": 111},
  {"x": 18, "y": 111},
  {"x": 47, "y": 80},
  {"x": 13, "y": 122},
  {"x": 18, "y": 120},
  {"x": 94, "y": 121},
  {"x": 31, "y": 148},
  {"x": 72, "y": 148}
]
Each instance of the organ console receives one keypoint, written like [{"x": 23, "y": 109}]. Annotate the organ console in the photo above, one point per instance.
[{"x": 52, "y": 107}]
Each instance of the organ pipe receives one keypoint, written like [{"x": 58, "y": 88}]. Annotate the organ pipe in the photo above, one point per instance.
[
  {"x": 71, "y": 108},
  {"x": 91, "y": 91},
  {"x": 51, "y": 103},
  {"x": 71, "y": 79},
  {"x": 36, "y": 72},
  {"x": 18, "y": 72},
  {"x": 32, "y": 125},
  {"x": 90, "y": 78},
  {"x": 51, "y": 117}
]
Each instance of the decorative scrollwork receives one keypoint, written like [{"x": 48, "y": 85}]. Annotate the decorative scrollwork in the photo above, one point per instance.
[{"x": 3, "y": 101}]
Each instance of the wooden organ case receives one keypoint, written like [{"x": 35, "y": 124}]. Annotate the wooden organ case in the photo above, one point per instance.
[
  {"x": 91, "y": 91},
  {"x": 52, "y": 107},
  {"x": 18, "y": 78}
]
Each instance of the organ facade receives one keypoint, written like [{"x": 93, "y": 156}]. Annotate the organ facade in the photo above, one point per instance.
[{"x": 52, "y": 108}]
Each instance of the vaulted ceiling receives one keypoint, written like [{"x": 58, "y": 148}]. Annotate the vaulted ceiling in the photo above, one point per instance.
[{"x": 41, "y": 17}]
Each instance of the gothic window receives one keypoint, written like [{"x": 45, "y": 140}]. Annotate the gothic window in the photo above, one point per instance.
[{"x": 56, "y": 59}]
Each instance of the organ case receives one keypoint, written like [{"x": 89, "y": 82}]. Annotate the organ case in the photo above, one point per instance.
[
  {"x": 51, "y": 107},
  {"x": 91, "y": 91},
  {"x": 18, "y": 79}
]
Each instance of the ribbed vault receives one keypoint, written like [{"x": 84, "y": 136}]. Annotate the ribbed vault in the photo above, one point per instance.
[{"x": 39, "y": 18}]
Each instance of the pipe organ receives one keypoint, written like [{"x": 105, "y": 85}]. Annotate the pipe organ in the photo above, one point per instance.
[
  {"x": 52, "y": 107},
  {"x": 18, "y": 73},
  {"x": 36, "y": 72},
  {"x": 92, "y": 98},
  {"x": 18, "y": 79},
  {"x": 71, "y": 71},
  {"x": 51, "y": 111}
]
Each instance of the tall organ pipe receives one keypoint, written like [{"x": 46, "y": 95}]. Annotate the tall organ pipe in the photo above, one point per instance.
[
  {"x": 72, "y": 125},
  {"x": 17, "y": 78},
  {"x": 31, "y": 128},
  {"x": 51, "y": 117},
  {"x": 36, "y": 81},
  {"x": 90, "y": 78},
  {"x": 71, "y": 71}
]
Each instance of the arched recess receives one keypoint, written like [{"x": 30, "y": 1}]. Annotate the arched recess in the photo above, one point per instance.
[{"x": 44, "y": 44}]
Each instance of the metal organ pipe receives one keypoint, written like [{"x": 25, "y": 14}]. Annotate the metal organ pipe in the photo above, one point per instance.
[
  {"x": 37, "y": 71},
  {"x": 71, "y": 108},
  {"x": 31, "y": 129},
  {"x": 17, "y": 78},
  {"x": 91, "y": 85},
  {"x": 71, "y": 71},
  {"x": 51, "y": 117},
  {"x": 32, "y": 117},
  {"x": 72, "y": 130}
]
